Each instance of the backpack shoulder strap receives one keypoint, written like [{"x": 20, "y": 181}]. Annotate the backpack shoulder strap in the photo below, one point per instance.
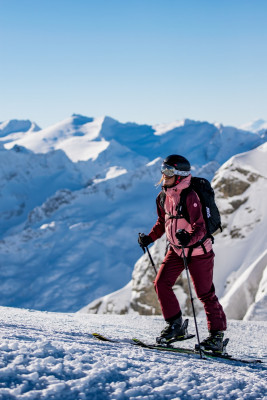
[
  {"x": 181, "y": 208},
  {"x": 161, "y": 199}
]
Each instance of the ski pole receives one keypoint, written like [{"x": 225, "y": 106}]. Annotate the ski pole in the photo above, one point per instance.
[
  {"x": 151, "y": 260},
  {"x": 191, "y": 298},
  {"x": 149, "y": 255}
]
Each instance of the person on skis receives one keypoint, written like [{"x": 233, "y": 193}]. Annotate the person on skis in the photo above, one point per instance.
[{"x": 180, "y": 233}]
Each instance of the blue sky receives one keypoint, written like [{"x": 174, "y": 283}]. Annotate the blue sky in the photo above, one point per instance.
[{"x": 147, "y": 61}]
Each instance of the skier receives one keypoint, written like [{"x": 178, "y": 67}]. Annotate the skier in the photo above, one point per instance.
[{"x": 176, "y": 176}]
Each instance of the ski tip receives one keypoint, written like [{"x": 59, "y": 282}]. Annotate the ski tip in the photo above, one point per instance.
[
  {"x": 100, "y": 337},
  {"x": 137, "y": 341}
]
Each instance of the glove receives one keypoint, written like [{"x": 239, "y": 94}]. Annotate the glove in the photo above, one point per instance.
[
  {"x": 144, "y": 240},
  {"x": 183, "y": 237}
]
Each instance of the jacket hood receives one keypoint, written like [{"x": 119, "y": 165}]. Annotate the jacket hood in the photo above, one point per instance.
[{"x": 185, "y": 183}]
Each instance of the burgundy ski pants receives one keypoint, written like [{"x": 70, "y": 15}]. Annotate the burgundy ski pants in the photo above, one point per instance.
[{"x": 201, "y": 271}]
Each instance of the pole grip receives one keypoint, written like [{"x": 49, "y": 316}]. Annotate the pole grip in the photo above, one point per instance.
[
  {"x": 148, "y": 252},
  {"x": 143, "y": 248}
]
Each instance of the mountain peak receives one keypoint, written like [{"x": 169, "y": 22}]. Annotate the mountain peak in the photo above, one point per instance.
[
  {"x": 15, "y": 126},
  {"x": 79, "y": 119},
  {"x": 254, "y": 126}
]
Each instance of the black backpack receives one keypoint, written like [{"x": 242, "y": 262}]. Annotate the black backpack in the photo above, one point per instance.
[{"x": 206, "y": 195}]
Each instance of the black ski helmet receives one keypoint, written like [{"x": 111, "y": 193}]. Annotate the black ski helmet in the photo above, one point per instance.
[{"x": 180, "y": 163}]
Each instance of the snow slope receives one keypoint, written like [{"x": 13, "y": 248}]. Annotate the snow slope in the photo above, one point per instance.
[
  {"x": 244, "y": 239},
  {"x": 28, "y": 179},
  {"x": 54, "y": 356},
  {"x": 77, "y": 245}
]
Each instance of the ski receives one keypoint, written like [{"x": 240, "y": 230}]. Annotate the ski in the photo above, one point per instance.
[
  {"x": 138, "y": 342},
  {"x": 205, "y": 353},
  {"x": 118, "y": 341},
  {"x": 104, "y": 338},
  {"x": 181, "y": 350}
]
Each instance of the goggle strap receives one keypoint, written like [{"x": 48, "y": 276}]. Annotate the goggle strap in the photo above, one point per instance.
[{"x": 182, "y": 173}]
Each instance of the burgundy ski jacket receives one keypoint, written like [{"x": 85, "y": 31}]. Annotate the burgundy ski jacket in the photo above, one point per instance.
[{"x": 196, "y": 227}]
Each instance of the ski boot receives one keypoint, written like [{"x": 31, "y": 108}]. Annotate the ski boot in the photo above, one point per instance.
[
  {"x": 214, "y": 343},
  {"x": 174, "y": 331}
]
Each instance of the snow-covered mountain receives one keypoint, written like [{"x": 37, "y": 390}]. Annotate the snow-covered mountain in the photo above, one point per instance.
[
  {"x": 28, "y": 179},
  {"x": 16, "y": 129},
  {"x": 241, "y": 186},
  {"x": 75, "y": 195},
  {"x": 83, "y": 138},
  {"x": 241, "y": 250},
  {"x": 257, "y": 126}
]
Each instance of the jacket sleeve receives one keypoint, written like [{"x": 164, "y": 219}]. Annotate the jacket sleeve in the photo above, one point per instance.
[
  {"x": 159, "y": 228},
  {"x": 197, "y": 221}
]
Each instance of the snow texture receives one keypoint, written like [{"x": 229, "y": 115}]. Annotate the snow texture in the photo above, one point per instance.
[{"x": 54, "y": 356}]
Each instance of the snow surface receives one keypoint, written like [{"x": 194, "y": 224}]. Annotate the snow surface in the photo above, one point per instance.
[{"x": 54, "y": 356}]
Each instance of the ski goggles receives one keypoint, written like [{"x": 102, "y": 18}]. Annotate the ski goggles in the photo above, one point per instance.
[{"x": 170, "y": 171}]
